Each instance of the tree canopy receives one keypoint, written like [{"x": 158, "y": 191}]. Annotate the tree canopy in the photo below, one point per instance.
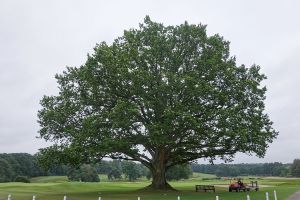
[{"x": 160, "y": 95}]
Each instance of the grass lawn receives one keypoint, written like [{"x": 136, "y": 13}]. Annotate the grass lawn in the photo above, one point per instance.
[
  {"x": 54, "y": 188},
  {"x": 49, "y": 179}
]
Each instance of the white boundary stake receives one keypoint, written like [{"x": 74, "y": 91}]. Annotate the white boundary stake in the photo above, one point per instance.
[
  {"x": 65, "y": 197},
  {"x": 178, "y": 198},
  {"x": 248, "y": 197},
  {"x": 99, "y": 198},
  {"x": 33, "y": 198},
  {"x": 139, "y": 198},
  {"x": 267, "y": 195},
  {"x": 217, "y": 197},
  {"x": 9, "y": 197},
  {"x": 275, "y": 195}
]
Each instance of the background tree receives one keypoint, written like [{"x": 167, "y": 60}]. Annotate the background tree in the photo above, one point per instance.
[
  {"x": 114, "y": 173},
  {"x": 131, "y": 170},
  {"x": 103, "y": 167},
  {"x": 84, "y": 173},
  {"x": 6, "y": 172},
  {"x": 160, "y": 95},
  {"x": 178, "y": 172},
  {"x": 295, "y": 168},
  {"x": 58, "y": 170},
  {"x": 89, "y": 174}
]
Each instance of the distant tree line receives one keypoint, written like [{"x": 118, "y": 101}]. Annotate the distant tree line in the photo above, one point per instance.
[
  {"x": 21, "y": 166},
  {"x": 232, "y": 170},
  {"x": 15, "y": 165}
]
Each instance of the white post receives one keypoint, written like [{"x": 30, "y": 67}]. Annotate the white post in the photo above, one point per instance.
[
  {"x": 33, "y": 198},
  {"x": 65, "y": 197},
  {"x": 267, "y": 196},
  {"x": 139, "y": 198},
  {"x": 248, "y": 197},
  {"x": 275, "y": 195},
  {"x": 9, "y": 197},
  {"x": 217, "y": 197},
  {"x": 178, "y": 198},
  {"x": 99, "y": 198}
]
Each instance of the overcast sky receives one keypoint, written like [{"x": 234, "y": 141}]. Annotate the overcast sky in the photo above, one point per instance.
[{"x": 40, "y": 38}]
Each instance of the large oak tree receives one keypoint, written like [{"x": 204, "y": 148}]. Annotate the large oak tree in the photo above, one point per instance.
[{"x": 160, "y": 95}]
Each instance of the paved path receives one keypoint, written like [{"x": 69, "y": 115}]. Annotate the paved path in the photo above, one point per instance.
[{"x": 295, "y": 196}]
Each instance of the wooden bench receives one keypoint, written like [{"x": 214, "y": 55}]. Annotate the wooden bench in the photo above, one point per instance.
[{"x": 205, "y": 188}]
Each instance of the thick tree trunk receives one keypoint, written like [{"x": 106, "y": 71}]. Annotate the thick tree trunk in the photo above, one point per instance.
[
  {"x": 159, "y": 173},
  {"x": 159, "y": 178}
]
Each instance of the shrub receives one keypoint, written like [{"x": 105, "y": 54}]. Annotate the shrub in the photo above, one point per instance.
[{"x": 22, "y": 179}]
